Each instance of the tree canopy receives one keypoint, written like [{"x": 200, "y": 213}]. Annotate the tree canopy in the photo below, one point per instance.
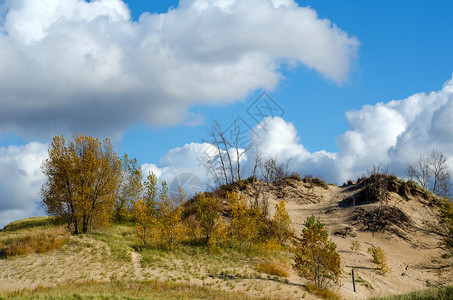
[{"x": 82, "y": 176}]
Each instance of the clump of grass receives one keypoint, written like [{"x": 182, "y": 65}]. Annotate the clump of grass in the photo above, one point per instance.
[
  {"x": 323, "y": 293},
  {"x": 272, "y": 268},
  {"x": 363, "y": 282},
  {"x": 35, "y": 242},
  {"x": 431, "y": 294}
]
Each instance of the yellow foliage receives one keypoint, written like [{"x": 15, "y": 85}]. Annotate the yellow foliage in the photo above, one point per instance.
[
  {"x": 269, "y": 246},
  {"x": 379, "y": 258},
  {"x": 208, "y": 216},
  {"x": 169, "y": 217},
  {"x": 282, "y": 223},
  {"x": 246, "y": 222},
  {"x": 145, "y": 223},
  {"x": 82, "y": 180}
]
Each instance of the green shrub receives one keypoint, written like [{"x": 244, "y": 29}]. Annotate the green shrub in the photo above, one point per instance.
[{"x": 316, "y": 256}]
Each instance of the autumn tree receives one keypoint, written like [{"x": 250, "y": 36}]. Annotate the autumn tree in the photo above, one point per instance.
[
  {"x": 379, "y": 258},
  {"x": 82, "y": 176},
  {"x": 281, "y": 223},
  {"x": 208, "y": 216},
  {"x": 151, "y": 191},
  {"x": 170, "y": 211},
  {"x": 316, "y": 256},
  {"x": 130, "y": 189},
  {"x": 145, "y": 222},
  {"x": 247, "y": 221}
]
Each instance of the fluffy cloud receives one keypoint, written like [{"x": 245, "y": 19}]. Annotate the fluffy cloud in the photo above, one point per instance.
[
  {"x": 20, "y": 181},
  {"x": 87, "y": 67},
  {"x": 391, "y": 133}
]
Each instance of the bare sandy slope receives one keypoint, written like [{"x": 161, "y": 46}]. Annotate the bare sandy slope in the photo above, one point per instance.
[{"x": 412, "y": 253}]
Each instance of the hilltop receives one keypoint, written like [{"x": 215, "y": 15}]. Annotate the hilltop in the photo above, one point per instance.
[{"x": 110, "y": 261}]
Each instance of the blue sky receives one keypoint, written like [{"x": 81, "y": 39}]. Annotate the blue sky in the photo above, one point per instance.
[
  {"x": 405, "y": 48},
  {"x": 151, "y": 75}
]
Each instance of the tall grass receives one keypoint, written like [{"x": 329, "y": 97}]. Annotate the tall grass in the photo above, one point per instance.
[
  {"x": 152, "y": 289},
  {"x": 444, "y": 293},
  {"x": 272, "y": 268},
  {"x": 35, "y": 242}
]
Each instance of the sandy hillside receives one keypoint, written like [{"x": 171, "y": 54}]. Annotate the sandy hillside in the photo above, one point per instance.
[
  {"x": 403, "y": 233},
  {"x": 413, "y": 255}
]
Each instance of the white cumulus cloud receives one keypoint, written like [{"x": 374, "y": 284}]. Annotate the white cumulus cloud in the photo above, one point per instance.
[
  {"x": 392, "y": 133},
  {"x": 73, "y": 65},
  {"x": 20, "y": 181}
]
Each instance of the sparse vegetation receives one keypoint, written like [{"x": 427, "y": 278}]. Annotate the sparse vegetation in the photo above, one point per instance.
[
  {"x": 355, "y": 247},
  {"x": 221, "y": 242}
]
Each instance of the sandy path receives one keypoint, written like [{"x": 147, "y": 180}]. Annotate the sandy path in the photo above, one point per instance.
[{"x": 136, "y": 259}]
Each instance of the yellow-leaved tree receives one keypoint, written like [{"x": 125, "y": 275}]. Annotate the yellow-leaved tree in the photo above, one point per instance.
[
  {"x": 208, "y": 216},
  {"x": 129, "y": 190},
  {"x": 246, "y": 222},
  {"x": 170, "y": 211},
  {"x": 281, "y": 223},
  {"x": 82, "y": 176}
]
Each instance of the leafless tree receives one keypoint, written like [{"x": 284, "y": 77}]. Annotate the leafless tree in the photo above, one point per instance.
[
  {"x": 432, "y": 173},
  {"x": 274, "y": 171},
  {"x": 225, "y": 168},
  {"x": 420, "y": 171},
  {"x": 441, "y": 174}
]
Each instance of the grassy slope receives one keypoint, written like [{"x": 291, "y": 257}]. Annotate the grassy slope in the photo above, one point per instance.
[
  {"x": 101, "y": 264},
  {"x": 428, "y": 294}
]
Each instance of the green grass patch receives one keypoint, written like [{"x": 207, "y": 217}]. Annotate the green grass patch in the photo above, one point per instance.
[
  {"x": 119, "y": 238},
  {"x": 29, "y": 223},
  {"x": 443, "y": 293}
]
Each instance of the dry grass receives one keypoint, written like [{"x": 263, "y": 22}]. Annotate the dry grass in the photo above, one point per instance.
[
  {"x": 38, "y": 242},
  {"x": 272, "y": 268},
  {"x": 151, "y": 289},
  {"x": 33, "y": 235},
  {"x": 322, "y": 293}
]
